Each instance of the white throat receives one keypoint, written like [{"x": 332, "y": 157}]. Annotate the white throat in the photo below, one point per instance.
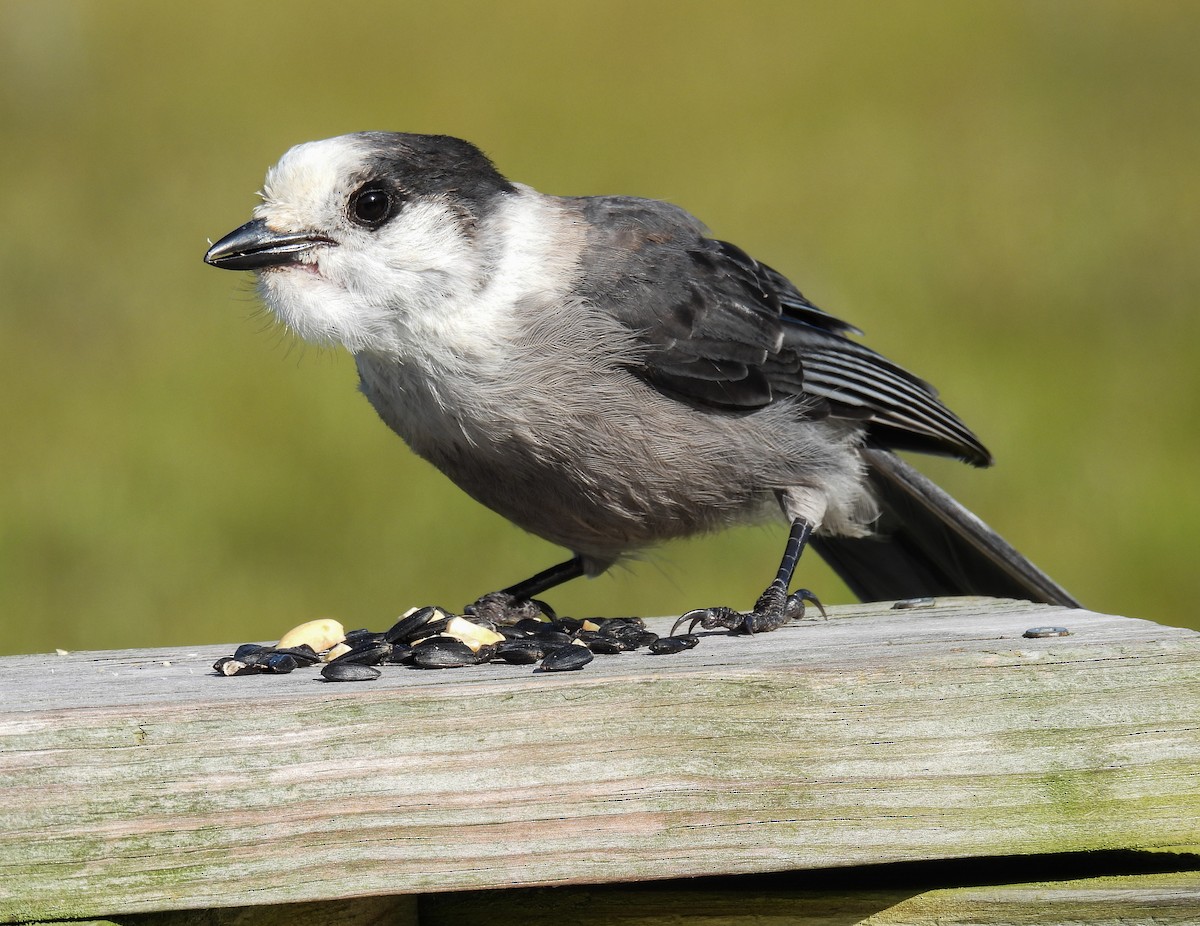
[{"x": 431, "y": 287}]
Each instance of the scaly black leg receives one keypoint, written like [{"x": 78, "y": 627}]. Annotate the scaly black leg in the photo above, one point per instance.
[{"x": 775, "y": 607}]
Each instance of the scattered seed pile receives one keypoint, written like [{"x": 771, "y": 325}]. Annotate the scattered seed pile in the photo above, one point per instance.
[{"x": 431, "y": 639}]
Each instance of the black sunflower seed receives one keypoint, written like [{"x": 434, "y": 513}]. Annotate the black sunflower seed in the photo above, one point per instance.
[
  {"x": 520, "y": 652},
  {"x": 280, "y": 663},
  {"x": 605, "y": 646},
  {"x": 349, "y": 672},
  {"x": 553, "y": 638},
  {"x": 437, "y": 626},
  {"x": 622, "y": 630},
  {"x": 304, "y": 654},
  {"x": 666, "y": 645},
  {"x": 401, "y": 653},
  {"x": 567, "y": 658},
  {"x": 250, "y": 649},
  {"x": 404, "y": 630},
  {"x": 443, "y": 653},
  {"x": 531, "y": 625},
  {"x": 613, "y": 624},
  {"x": 643, "y": 638},
  {"x": 368, "y": 653},
  {"x": 257, "y": 660},
  {"x": 227, "y": 665}
]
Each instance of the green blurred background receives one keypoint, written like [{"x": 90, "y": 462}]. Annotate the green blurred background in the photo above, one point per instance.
[{"x": 1003, "y": 195}]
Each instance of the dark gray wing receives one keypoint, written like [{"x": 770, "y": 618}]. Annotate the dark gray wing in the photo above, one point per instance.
[{"x": 725, "y": 331}]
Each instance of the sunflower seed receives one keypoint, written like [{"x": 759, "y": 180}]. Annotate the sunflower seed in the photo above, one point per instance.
[
  {"x": 404, "y": 630},
  {"x": 349, "y": 672},
  {"x": 443, "y": 653},
  {"x": 280, "y": 663},
  {"x": 520, "y": 652},
  {"x": 368, "y": 653},
  {"x": 304, "y": 654},
  {"x": 227, "y": 665},
  {"x": 665, "y": 645},
  {"x": 567, "y": 658}
]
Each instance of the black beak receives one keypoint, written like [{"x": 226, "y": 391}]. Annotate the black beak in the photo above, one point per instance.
[{"x": 255, "y": 247}]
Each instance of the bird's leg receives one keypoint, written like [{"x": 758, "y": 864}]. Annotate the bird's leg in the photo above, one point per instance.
[
  {"x": 516, "y": 602},
  {"x": 775, "y": 607}
]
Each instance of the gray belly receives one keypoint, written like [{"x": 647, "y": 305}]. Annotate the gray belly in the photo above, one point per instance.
[{"x": 604, "y": 465}]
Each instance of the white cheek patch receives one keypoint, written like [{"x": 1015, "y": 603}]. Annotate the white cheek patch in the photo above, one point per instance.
[
  {"x": 432, "y": 285},
  {"x": 421, "y": 256},
  {"x": 387, "y": 292}
]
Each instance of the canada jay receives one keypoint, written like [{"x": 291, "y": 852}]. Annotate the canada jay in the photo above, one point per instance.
[{"x": 606, "y": 375}]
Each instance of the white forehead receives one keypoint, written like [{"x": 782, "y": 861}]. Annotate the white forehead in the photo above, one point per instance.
[{"x": 309, "y": 176}]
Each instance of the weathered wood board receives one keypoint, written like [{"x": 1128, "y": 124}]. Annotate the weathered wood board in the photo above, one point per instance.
[
  {"x": 1162, "y": 899},
  {"x": 1146, "y": 900},
  {"x": 139, "y": 780}
]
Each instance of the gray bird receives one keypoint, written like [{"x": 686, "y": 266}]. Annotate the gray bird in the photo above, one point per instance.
[{"x": 606, "y": 375}]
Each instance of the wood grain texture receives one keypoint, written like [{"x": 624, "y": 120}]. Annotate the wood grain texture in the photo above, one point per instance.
[
  {"x": 399, "y": 910},
  {"x": 140, "y": 781}
]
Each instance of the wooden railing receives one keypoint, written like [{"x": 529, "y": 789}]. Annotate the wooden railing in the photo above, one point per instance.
[{"x": 937, "y": 745}]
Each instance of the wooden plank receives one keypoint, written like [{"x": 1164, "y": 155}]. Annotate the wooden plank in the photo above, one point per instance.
[
  {"x": 139, "y": 781},
  {"x": 1158, "y": 899},
  {"x": 1148, "y": 900},
  {"x": 358, "y": 911}
]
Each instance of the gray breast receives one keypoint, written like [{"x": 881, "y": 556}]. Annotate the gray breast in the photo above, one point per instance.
[{"x": 561, "y": 439}]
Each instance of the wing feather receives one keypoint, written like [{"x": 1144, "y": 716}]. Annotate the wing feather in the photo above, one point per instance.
[{"x": 722, "y": 330}]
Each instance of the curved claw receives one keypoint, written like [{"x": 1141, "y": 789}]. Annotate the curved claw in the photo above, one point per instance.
[
  {"x": 796, "y": 601},
  {"x": 691, "y": 618},
  {"x": 710, "y": 619},
  {"x": 771, "y": 611}
]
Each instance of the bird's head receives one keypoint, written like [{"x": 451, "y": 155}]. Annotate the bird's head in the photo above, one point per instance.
[{"x": 358, "y": 235}]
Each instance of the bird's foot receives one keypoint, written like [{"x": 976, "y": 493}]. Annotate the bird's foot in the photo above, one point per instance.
[
  {"x": 774, "y": 608},
  {"x": 503, "y": 608}
]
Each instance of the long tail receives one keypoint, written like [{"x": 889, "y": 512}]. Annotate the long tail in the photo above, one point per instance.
[{"x": 928, "y": 544}]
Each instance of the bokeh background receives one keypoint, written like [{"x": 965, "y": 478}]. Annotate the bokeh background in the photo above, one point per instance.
[{"x": 1003, "y": 195}]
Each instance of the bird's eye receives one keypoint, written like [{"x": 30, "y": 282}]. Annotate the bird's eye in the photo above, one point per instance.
[{"x": 371, "y": 205}]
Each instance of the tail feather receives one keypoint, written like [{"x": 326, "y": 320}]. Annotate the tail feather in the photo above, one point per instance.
[{"x": 926, "y": 543}]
